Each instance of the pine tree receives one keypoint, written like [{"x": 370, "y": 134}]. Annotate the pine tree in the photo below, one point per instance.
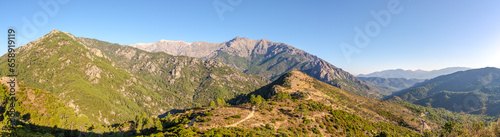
[
  {"x": 158, "y": 125},
  {"x": 302, "y": 109},
  {"x": 221, "y": 102},
  {"x": 212, "y": 104},
  {"x": 282, "y": 96},
  {"x": 138, "y": 123},
  {"x": 257, "y": 101},
  {"x": 497, "y": 129},
  {"x": 253, "y": 100}
]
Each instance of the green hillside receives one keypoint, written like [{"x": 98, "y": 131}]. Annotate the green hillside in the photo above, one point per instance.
[
  {"x": 474, "y": 91},
  {"x": 298, "y": 106},
  {"x": 110, "y": 83}
]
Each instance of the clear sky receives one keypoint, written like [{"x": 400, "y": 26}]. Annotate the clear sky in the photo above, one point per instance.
[{"x": 420, "y": 34}]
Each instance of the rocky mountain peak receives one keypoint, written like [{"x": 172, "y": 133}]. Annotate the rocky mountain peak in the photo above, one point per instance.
[
  {"x": 54, "y": 31},
  {"x": 172, "y": 42},
  {"x": 238, "y": 39}
]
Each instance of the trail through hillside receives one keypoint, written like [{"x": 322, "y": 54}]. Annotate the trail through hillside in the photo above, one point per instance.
[
  {"x": 308, "y": 96},
  {"x": 248, "y": 117},
  {"x": 191, "y": 123}
]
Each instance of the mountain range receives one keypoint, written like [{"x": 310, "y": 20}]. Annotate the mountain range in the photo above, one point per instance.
[
  {"x": 264, "y": 58},
  {"x": 387, "y": 86},
  {"x": 110, "y": 83},
  {"x": 416, "y": 74},
  {"x": 474, "y": 91},
  {"x": 76, "y": 86}
]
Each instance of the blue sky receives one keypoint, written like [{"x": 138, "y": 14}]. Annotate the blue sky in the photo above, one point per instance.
[{"x": 424, "y": 34}]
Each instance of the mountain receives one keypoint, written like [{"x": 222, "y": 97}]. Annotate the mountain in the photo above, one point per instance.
[
  {"x": 389, "y": 85},
  {"x": 69, "y": 86},
  {"x": 298, "y": 105},
  {"x": 299, "y": 84},
  {"x": 110, "y": 83},
  {"x": 473, "y": 91},
  {"x": 417, "y": 74},
  {"x": 264, "y": 58},
  {"x": 41, "y": 108}
]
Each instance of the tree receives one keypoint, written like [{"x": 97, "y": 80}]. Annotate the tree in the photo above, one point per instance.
[
  {"x": 449, "y": 126},
  {"x": 221, "y": 102},
  {"x": 282, "y": 96},
  {"x": 186, "y": 133},
  {"x": 212, "y": 104},
  {"x": 452, "y": 128},
  {"x": 257, "y": 101},
  {"x": 82, "y": 124},
  {"x": 302, "y": 109},
  {"x": 497, "y": 129},
  {"x": 253, "y": 101},
  {"x": 158, "y": 125},
  {"x": 140, "y": 121}
]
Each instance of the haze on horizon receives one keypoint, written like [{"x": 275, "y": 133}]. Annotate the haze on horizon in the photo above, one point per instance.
[{"x": 425, "y": 35}]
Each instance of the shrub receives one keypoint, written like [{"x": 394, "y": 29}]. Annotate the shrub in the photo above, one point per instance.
[
  {"x": 208, "y": 113},
  {"x": 268, "y": 126},
  {"x": 273, "y": 103},
  {"x": 281, "y": 119},
  {"x": 237, "y": 116},
  {"x": 315, "y": 130}
]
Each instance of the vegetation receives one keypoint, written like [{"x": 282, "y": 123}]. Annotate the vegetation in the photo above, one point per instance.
[
  {"x": 475, "y": 91},
  {"x": 119, "y": 91},
  {"x": 111, "y": 83},
  {"x": 441, "y": 116},
  {"x": 386, "y": 86},
  {"x": 272, "y": 65},
  {"x": 292, "y": 115}
]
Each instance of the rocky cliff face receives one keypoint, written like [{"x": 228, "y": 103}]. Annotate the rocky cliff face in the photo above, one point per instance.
[{"x": 265, "y": 58}]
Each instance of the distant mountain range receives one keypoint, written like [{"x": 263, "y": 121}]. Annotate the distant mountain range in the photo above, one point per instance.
[
  {"x": 473, "y": 91},
  {"x": 264, "y": 58},
  {"x": 416, "y": 74},
  {"x": 386, "y": 86}
]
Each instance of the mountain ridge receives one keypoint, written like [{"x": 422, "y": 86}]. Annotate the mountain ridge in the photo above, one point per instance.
[
  {"x": 417, "y": 74},
  {"x": 265, "y": 58},
  {"x": 110, "y": 82},
  {"x": 468, "y": 91},
  {"x": 387, "y": 86}
]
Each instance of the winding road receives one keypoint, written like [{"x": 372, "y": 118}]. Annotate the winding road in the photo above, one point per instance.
[
  {"x": 191, "y": 123},
  {"x": 243, "y": 120}
]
